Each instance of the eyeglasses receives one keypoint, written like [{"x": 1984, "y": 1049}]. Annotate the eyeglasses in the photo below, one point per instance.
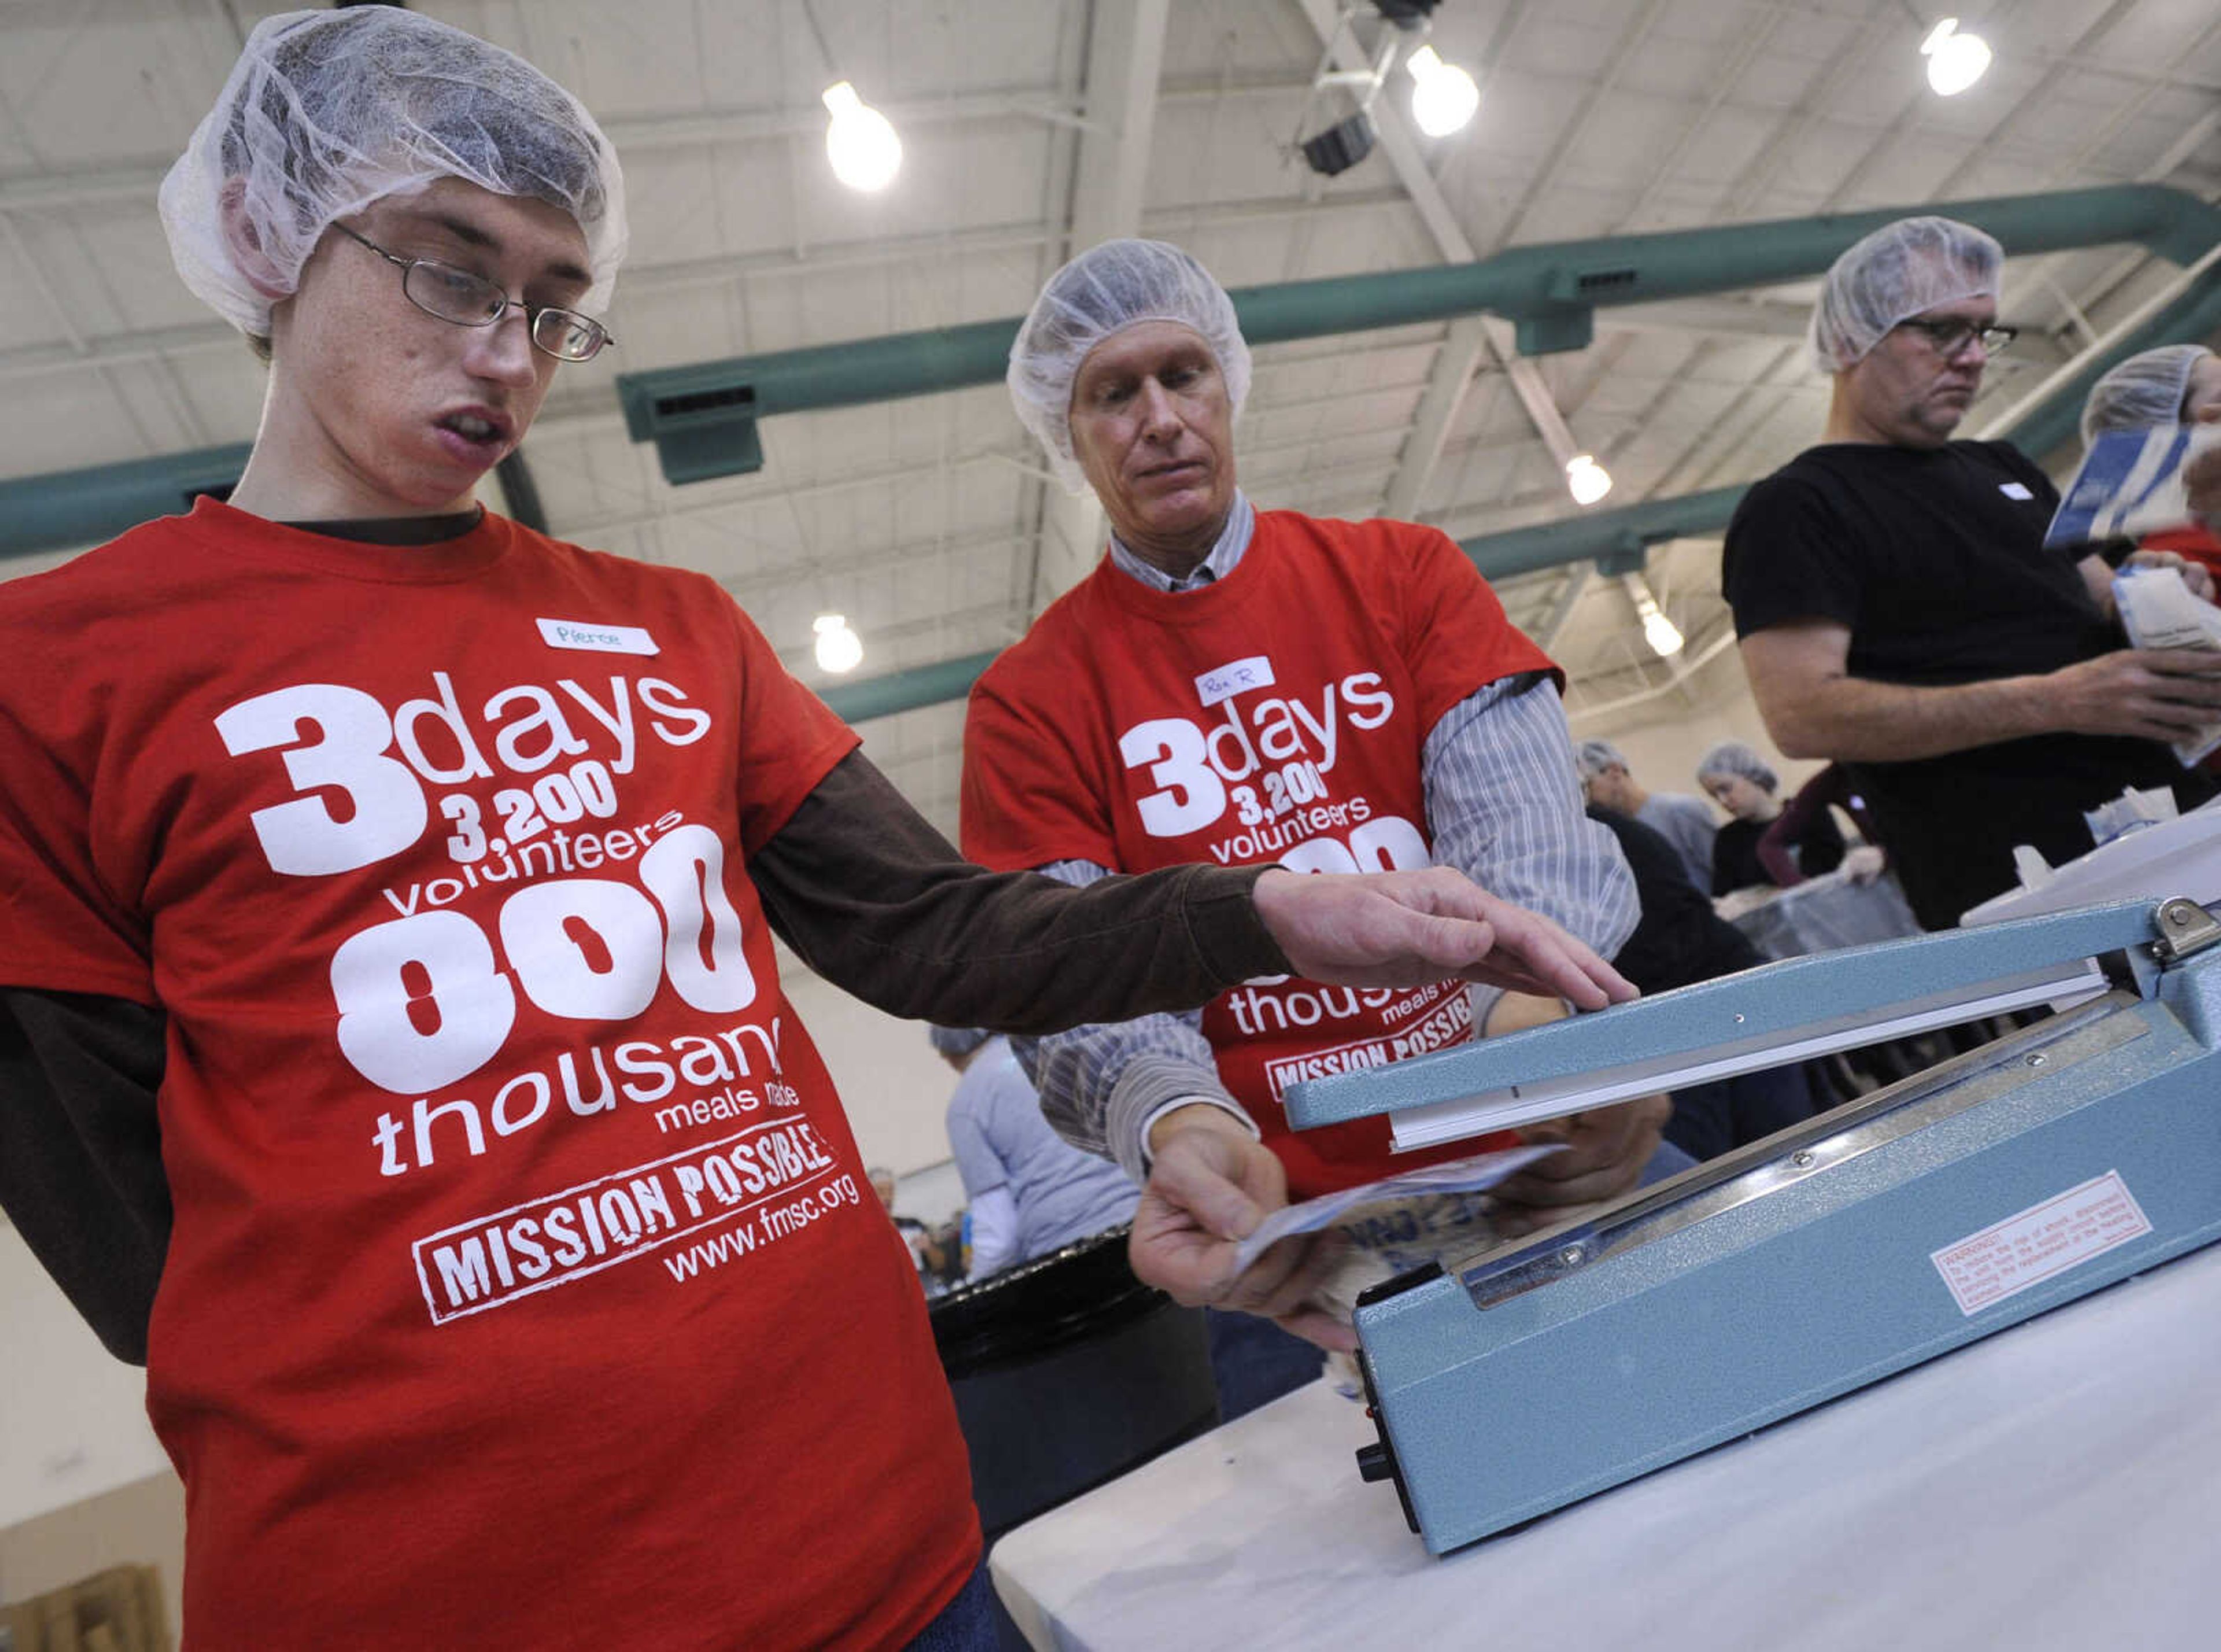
[
  {"x": 1946, "y": 339},
  {"x": 469, "y": 300}
]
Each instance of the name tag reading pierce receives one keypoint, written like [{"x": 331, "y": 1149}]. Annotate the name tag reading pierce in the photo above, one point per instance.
[{"x": 597, "y": 639}]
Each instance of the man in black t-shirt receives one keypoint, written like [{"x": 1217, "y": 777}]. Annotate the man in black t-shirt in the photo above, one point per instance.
[{"x": 1899, "y": 614}]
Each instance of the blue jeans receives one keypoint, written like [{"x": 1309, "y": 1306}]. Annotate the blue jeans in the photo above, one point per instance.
[
  {"x": 965, "y": 1624},
  {"x": 1254, "y": 1361}
]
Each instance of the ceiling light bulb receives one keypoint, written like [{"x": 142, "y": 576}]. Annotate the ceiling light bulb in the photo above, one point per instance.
[
  {"x": 1589, "y": 480},
  {"x": 1661, "y": 634},
  {"x": 1444, "y": 96},
  {"x": 1955, "y": 61},
  {"x": 860, "y": 142},
  {"x": 839, "y": 648}
]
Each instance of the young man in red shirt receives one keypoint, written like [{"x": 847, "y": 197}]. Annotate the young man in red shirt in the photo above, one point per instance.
[
  {"x": 392, "y": 1050},
  {"x": 1246, "y": 687}
]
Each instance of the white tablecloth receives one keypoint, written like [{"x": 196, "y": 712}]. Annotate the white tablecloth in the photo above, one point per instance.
[{"x": 2058, "y": 1486}]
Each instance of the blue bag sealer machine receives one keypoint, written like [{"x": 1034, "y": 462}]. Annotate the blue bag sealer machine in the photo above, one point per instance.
[{"x": 2058, "y": 1160}]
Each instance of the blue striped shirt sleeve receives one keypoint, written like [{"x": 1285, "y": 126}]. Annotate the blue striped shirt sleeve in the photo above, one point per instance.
[{"x": 1503, "y": 806}]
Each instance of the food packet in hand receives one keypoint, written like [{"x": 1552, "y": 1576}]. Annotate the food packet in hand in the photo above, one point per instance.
[
  {"x": 1391, "y": 1236},
  {"x": 2158, "y": 611},
  {"x": 1394, "y": 1225},
  {"x": 1400, "y": 1211}
]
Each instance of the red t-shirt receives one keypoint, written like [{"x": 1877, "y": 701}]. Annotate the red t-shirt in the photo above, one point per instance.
[
  {"x": 1275, "y": 715},
  {"x": 526, "y": 1288},
  {"x": 2196, "y": 542}
]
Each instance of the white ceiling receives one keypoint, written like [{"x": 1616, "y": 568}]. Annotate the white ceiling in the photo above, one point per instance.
[{"x": 926, "y": 520}]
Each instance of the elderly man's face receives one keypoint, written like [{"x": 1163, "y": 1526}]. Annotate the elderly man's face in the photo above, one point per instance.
[
  {"x": 1608, "y": 788},
  {"x": 1153, "y": 427},
  {"x": 1908, "y": 391}
]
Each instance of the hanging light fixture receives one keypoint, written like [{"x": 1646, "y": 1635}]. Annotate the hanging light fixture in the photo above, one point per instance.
[
  {"x": 859, "y": 142},
  {"x": 1955, "y": 61},
  {"x": 839, "y": 648},
  {"x": 1664, "y": 636},
  {"x": 1587, "y": 480},
  {"x": 1342, "y": 145},
  {"x": 1444, "y": 96}
]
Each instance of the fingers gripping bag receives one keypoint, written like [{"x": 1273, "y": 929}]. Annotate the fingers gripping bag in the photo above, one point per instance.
[{"x": 1427, "y": 1215}]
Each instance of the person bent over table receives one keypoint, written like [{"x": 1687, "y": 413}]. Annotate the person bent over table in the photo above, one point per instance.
[{"x": 1249, "y": 686}]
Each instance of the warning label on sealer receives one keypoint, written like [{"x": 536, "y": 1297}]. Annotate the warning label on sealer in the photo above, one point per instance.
[{"x": 2010, "y": 1256}]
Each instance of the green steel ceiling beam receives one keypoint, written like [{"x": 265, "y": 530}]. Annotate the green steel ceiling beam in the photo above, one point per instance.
[
  {"x": 703, "y": 417},
  {"x": 906, "y": 690},
  {"x": 1601, "y": 534},
  {"x": 706, "y": 421},
  {"x": 1589, "y": 537},
  {"x": 84, "y": 507}
]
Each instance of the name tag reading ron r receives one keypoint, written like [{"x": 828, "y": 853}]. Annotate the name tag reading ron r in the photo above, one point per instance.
[
  {"x": 599, "y": 639},
  {"x": 2015, "y": 490},
  {"x": 1237, "y": 677}
]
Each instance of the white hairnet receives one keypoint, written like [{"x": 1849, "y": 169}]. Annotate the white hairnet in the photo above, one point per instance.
[
  {"x": 327, "y": 111},
  {"x": 1733, "y": 757},
  {"x": 1893, "y": 274},
  {"x": 1593, "y": 757},
  {"x": 1104, "y": 291},
  {"x": 2146, "y": 389}
]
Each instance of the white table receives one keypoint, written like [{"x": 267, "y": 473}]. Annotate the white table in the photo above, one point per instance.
[{"x": 2058, "y": 1486}]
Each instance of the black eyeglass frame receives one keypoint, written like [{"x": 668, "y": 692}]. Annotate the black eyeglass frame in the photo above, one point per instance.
[
  {"x": 533, "y": 313},
  {"x": 1948, "y": 338}
]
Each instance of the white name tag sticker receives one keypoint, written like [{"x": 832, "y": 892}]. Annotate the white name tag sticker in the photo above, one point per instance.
[
  {"x": 597, "y": 639},
  {"x": 1237, "y": 677},
  {"x": 2045, "y": 1240},
  {"x": 2014, "y": 490}
]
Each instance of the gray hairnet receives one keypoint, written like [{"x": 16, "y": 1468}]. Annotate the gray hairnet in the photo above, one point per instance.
[
  {"x": 1593, "y": 757},
  {"x": 1105, "y": 291},
  {"x": 327, "y": 111},
  {"x": 1733, "y": 757},
  {"x": 955, "y": 1042},
  {"x": 1893, "y": 274},
  {"x": 2146, "y": 389}
]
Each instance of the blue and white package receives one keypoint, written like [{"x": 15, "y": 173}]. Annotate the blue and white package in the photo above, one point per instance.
[
  {"x": 1474, "y": 1175},
  {"x": 2158, "y": 611},
  {"x": 2130, "y": 483}
]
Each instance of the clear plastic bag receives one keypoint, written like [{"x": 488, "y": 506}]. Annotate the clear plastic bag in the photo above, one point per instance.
[{"x": 1411, "y": 1215}]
